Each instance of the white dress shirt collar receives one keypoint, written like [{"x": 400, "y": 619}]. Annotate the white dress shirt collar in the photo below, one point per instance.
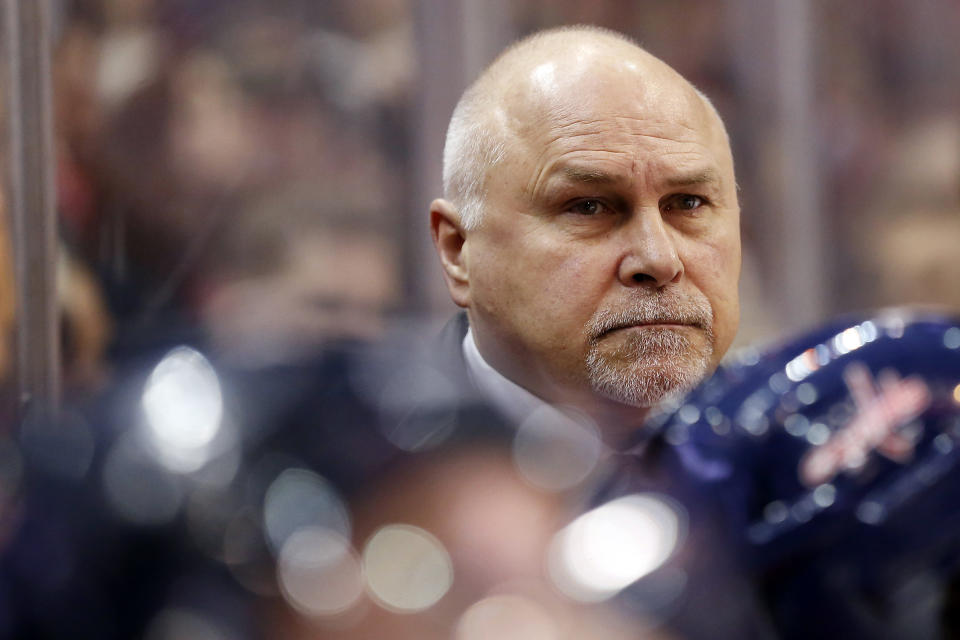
[{"x": 512, "y": 400}]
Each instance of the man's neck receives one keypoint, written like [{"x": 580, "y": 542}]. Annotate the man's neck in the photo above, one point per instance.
[{"x": 615, "y": 420}]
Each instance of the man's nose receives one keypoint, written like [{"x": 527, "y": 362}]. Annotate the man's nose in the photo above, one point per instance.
[{"x": 652, "y": 259}]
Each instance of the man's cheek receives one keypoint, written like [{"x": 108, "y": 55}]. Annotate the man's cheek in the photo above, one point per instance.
[
  {"x": 717, "y": 261},
  {"x": 569, "y": 275}
]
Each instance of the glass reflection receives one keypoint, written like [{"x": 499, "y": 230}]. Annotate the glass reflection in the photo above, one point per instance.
[
  {"x": 299, "y": 498},
  {"x": 506, "y": 617},
  {"x": 951, "y": 338},
  {"x": 614, "y": 545},
  {"x": 555, "y": 451},
  {"x": 319, "y": 572},
  {"x": 407, "y": 569},
  {"x": 176, "y": 624},
  {"x": 184, "y": 408}
]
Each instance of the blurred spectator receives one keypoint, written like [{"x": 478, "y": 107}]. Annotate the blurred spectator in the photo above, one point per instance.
[
  {"x": 909, "y": 249},
  {"x": 295, "y": 271},
  {"x": 915, "y": 258},
  {"x": 87, "y": 326},
  {"x": 198, "y": 132}
]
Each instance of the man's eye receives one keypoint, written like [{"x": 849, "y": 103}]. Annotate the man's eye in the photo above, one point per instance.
[
  {"x": 683, "y": 202},
  {"x": 588, "y": 207}
]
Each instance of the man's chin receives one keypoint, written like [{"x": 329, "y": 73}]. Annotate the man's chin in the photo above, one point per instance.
[
  {"x": 646, "y": 382},
  {"x": 644, "y": 392}
]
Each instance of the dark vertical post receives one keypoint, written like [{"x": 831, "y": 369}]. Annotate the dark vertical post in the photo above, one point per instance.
[{"x": 28, "y": 38}]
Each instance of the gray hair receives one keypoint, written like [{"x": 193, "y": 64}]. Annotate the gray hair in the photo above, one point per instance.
[{"x": 475, "y": 143}]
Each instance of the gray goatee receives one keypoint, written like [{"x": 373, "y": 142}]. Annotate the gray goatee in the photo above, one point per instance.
[{"x": 657, "y": 362}]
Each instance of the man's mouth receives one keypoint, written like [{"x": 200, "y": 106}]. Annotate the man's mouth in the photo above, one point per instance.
[
  {"x": 650, "y": 324},
  {"x": 667, "y": 311}
]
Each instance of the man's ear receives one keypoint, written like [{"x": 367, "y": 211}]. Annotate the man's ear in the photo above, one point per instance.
[{"x": 450, "y": 241}]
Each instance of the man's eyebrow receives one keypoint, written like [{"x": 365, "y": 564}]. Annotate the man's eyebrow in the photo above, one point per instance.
[
  {"x": 576, "y": 173},
  {"x": 693, "y": 178},
  {"x": 590, "y": 175}
]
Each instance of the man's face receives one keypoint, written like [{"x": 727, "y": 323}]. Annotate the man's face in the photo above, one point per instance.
[{"x": 607, "y": 261}]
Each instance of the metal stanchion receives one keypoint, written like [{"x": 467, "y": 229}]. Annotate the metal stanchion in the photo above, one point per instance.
[
  {"x": 801, "y": 233},
  {"x": 27, "y": 35},
  {"x": 455, "y": 41}
]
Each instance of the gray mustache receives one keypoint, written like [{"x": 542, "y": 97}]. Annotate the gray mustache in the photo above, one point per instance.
[{"x": 661, "y": 308}]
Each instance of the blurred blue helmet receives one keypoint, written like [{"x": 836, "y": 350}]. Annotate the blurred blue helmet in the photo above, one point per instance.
[{"x": 831, "y": 463}]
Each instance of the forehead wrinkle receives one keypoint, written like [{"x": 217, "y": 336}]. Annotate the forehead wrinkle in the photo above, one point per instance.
[
  {"x": 700, "y": 170},
  {"x": 656, "y": 127},
  {"x": 703, "y": 171},
  {"x": 628, "y": 143},
  {"x": 560, "y": 164},
  {"x": 697, "y": 156},
  {"x": 584, "y": 174},
  {"x": 559, "y": 127}
]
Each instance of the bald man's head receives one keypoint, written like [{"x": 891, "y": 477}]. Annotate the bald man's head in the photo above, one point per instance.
[
  {"x": 591, "y": 224},
  {"x": 523, "y": 79}
]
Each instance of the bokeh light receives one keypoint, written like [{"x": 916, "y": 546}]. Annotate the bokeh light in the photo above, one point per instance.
[
  {"x": 803, "y": 365},
  {"x": 951, "y": 338},
  {"x": 775, "y": 512},
  {"x": 796, "y": 424},
  {"x": 137, "y": 487},
  {"x": 506, "y": 617},
  {"x": 871, "y": 512},
  {"x": 824, "y": 495},
  {"x": 298, "y": 498},
  {"x": 818, "y": 434},
  {"x": 406, "y": 568},
  {"x": 184, "y": 409},
  {"x": 554, "y": 450},
  {"x": 606, "y": 549},
  {"x": 177, "y": 624},
  {"x": 319, "y": 572},
  {"x": 807, "y": 393},
  {"x": 943, "y": 443},
  {"x": 847, "y": 341}
]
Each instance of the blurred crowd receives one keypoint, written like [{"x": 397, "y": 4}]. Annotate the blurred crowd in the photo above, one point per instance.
[
  {"x": 220, "y": 158},
  {"x": 234, "y": 195}
]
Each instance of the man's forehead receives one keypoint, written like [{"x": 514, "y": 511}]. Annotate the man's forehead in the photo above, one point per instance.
[
  {"x": 553, "y": 89},
  {"x": 550, "y": 96},
  {"x": 620, "y": 127},
  {"x": 592, "y": 170},
  {"x": 564, "y": 61}
]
